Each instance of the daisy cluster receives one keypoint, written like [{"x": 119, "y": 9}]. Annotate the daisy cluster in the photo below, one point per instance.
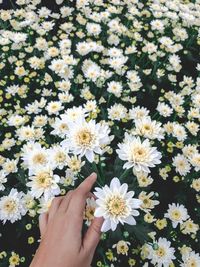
[{"x": 112, "y": 87}]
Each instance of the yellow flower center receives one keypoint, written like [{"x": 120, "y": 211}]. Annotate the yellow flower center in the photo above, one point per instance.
[
  {"x": 44, "y": 179},
  {"x": 116, "y": 206},
  {"x": 60, "y": 157},
  {"x": 160, "y": 252},
  {"x": 176, "y": 215},
  {"x": 84, "y": 137},
  {"x": 138, "y": 154},
  {"x": 192, "y": 263},
  {"x": 39, "y": 159},
  {"x": 10, "y": 206}
]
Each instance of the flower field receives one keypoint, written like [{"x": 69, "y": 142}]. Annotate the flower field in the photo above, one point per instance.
[{"x": 111, "y": 87}]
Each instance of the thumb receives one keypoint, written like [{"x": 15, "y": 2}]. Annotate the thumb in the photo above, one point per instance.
[
  {"x": 43, "y": 220},
  {"x": 93, "y": 235}
]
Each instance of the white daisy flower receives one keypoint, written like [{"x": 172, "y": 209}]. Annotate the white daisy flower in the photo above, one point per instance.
[
  {"x": 115, "y": 88},
  {"x": 181, "y": 164},
  {"x": 34, "y": 156},
  {"x": 161, "y": 253},
  {"x": 87, "y": 138},
  {"x": 148, "y": 128},
  {"x": 195, "y": 161},
  {"x": 139, "y": 155},
  {"x": 44, "y": 182},
  {"x": 190, "y": 259},
  {"x": 164, "y": 109},
  {"x": 89, "y": 210},
  {"x": 69, "y": 178},
  {"x": 11, "y": 206},
  {"x": 116, "y": 205},
  {"x": 177, "y": 214},
  {"x": 3, "y": 180}
]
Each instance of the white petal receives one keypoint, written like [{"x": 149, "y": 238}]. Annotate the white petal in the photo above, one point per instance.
[
  {"x": 105, "y": 226},
  {"x": 99, "y": 212},
  {"x": 130, "y": 220},
  {"x": 115, "y": 183},
  {"x": 89, "y": 155},
  {"x": 113, "y": 225}
]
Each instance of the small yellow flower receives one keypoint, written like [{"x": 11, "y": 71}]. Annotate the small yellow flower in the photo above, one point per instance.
[
  {"x": 31, "y": 240},
  {"x": 14, "y": 260},
  {"x": 176, "y": 179},
  {"x": 161, "y": 223},
  {"x": 131, "y": 262}
]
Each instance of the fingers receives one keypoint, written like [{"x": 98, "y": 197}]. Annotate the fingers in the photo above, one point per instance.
[
  {"x": 65, "y": 202},
  {"x": 43, "y": 220},
  {"x": 77, "y": 204},
  {"x": 54, "y": 207},
  {"x": 92, "y": 236},
  {"x": 87, "y": 184}
]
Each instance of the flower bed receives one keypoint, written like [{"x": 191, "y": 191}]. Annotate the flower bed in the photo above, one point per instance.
[{"x": 111, "y": 87}]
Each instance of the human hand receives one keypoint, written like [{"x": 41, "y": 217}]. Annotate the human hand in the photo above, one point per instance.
[{"x": 62, "y": 244}]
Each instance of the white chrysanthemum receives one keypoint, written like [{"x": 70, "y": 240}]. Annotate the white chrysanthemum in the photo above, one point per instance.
[
  {"x": 10, "y": 166},
  {"x": 11, "y": 206},
  {"x": 164, "y": 109},
  {"x": 117, "y": 112},
  {"x": 54, "y": 107},
  {"x": 87, "y": 138},
  {"x": 58, "y": 157},
  {"x": 181, "y": 164},
  {"x": 60, "y": 127},
  {"x": 177, "y": 214},
  {"x": 116, "y": 205},
  {"x": 139, "y": 155},
  {"x": 69, "y": 178},
  {"x": 93, "y": 28},
  {"x": 190, "y": 259},
  {"x": 161, "y": 253},
  {"x": 179, "y": 132},
  {"x": 195, "y": 161},
  {"x": 148, "y": 128},
  {"x": 115, "y": 88},
  {"x": 138, "y": 113},
  {"x": 44, "y": 182},
  {"x": 89, "y": 210},
  {"x": 3, "y": 180},
  {"x": 16, "y": 120},
  {"x": 45, "y": 204},
  {"x": 73, "y": 114},
  {"x": 34, "y": 156}
]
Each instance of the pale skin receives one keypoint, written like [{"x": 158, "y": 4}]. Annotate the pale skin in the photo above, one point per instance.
[{"x": 62, "y": 243}]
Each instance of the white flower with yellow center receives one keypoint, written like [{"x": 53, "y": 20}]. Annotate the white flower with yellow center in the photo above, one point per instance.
[
  {"x": 34, "y": 156},
  {"x": 177, "y": 214},
  {"x": 44, "y": 182},
  {"x": 139, "y": 155},
  {"x": 195, "y": 161},
  {"x": 3, "y": 180},
  {"x": 116, "y": 205},
  {"x": 87, "y": 138},
  {"x": 89, "y": 210},
  {"x": 58, "y": 157},
  {"x": 160, "y": 253},
  {"x": 122, "y": 247},
  {"x": 181, "y": 164},
  {"x": 69, "y": 178},
  {"x": 12, "y": 207},
  {"x": 190, "y": 259},
  {"x": 148, "y": 128}
]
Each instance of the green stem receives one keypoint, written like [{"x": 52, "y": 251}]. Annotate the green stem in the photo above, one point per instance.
[
  {"x": 101, "y": 183},
  {"x": 124, "y": 174}
]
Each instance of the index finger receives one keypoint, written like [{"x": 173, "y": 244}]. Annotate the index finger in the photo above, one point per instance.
[{"x": 77, "y": 204}]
